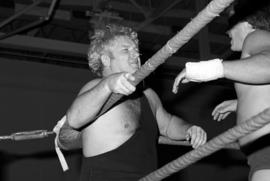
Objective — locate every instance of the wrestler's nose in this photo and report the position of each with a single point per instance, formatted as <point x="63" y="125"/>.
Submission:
<point x="134" y="54"/>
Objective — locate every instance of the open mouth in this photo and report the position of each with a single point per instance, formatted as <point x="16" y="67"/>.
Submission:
<point x="135" y="63"/>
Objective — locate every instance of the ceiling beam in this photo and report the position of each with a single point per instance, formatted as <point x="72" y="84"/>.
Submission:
<point x="43" y="45"/>
<point x="42" y="11"/>
<point x="158" y="12"/>
<point x="126" y="7"/>
<point x="83" y="3"/>
<point x="68" y="48"/>
<point x="53" y="46"/>
<point x="173" y="13"/>
<point x="155" y="29"/>
<point x="140" y="8"/>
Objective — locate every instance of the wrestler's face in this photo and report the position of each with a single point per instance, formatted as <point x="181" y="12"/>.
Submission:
<point x="237" y="38"/>
<point x="238" y="34"/>
<point x="125" y="55"/>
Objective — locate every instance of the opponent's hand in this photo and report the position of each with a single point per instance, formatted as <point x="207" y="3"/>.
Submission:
<point x="200" y="72"/>
<point x="121" y="83"/>
<point x="181" y="78"/>
<point x="223" y="109"/>
<point x="196" y="135"/>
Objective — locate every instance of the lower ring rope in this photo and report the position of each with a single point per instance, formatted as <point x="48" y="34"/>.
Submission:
<point x="229" y="136"/>
<point x="27" y="135"/>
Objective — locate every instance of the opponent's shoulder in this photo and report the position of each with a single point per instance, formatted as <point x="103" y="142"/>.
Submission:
<point x="89" y="85"/>
<point x="258" y="40"/>
<point x="258" y="36"/>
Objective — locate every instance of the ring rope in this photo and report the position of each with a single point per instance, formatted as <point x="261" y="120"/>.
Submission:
<point x="167" y="141"/>
<point x="215" y="144"/>
<point x="213" y="9"/>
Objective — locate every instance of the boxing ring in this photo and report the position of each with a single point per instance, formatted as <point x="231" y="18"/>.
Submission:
<point x="212" y="10"/>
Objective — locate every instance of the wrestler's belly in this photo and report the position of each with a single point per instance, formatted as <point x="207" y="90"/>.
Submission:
<point x="96" y="143"/>
<point x="251" y="101"/>
<point x="109" y="131"/>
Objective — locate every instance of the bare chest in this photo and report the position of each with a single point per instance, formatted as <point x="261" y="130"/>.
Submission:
<point x="129" y="117"/>
<point x="122" y="119"/>
<point x="113" y="128"/>
<point x="252" y="99"/>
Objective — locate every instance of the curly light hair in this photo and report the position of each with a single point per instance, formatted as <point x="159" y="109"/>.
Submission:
<point x="102" y="37"/>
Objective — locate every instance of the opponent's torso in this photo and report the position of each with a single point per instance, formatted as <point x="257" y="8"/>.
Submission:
<point x="252" y="99"/>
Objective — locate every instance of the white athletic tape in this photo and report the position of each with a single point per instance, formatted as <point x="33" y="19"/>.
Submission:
<point x="204" y="70"/>
<point x="59" y="153"/>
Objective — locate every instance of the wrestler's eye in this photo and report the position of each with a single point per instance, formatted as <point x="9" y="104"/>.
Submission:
<point x="125" y="50"/>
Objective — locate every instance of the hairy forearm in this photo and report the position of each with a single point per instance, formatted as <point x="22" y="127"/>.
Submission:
<point x="87" y="105"/>
<point x="69" y="138"/>
<point x="177" y="128"/>
<point x="250" y="70"/>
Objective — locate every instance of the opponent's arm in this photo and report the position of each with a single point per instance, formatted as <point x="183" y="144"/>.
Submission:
<point x="222" y="110"/>
<point x="172" y="126"/>
<point x="254" y="65"/>
<point x="252" y="68"/>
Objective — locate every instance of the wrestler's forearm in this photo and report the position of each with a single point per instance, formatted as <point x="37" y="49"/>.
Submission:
<point x="251" y="70"/>
<point x="87" y="105"/>
<point x="69" y="138"/>
<point x="177" y="128"/>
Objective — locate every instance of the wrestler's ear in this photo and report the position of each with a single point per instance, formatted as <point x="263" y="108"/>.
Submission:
<point x="105" y="59"/>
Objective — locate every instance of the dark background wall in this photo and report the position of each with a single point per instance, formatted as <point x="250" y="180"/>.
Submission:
<point x="36" y="95"/>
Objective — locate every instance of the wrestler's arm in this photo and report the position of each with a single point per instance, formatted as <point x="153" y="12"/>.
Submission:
<point x="254" y="65"/>
<point x="172" y="126"/>
<point x="222" y="110"/>
<point x="69" y="138"/>
<point x="252" y="68"/>
<point x="88" y="103"/>
<point x="94" y="94"/>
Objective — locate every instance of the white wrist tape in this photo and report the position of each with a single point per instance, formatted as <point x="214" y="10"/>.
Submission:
<point x="59" y="153"/>
<point x="204" y="70"/>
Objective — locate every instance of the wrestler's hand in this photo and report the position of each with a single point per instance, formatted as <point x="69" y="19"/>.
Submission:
<point x="196" y="135"/>
<point x="181" y="78"/>
<point x="199" y="72"/>
<point x="121" y="83"/>
<point x="223" y="109"/>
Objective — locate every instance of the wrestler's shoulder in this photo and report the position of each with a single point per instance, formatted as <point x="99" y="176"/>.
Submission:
<point x="90" y="85"/>
<point x="258" y="36"/>
<point x="257" y="41"/>
<point x="152" y="96"/>
<point x="149" y="92"/>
